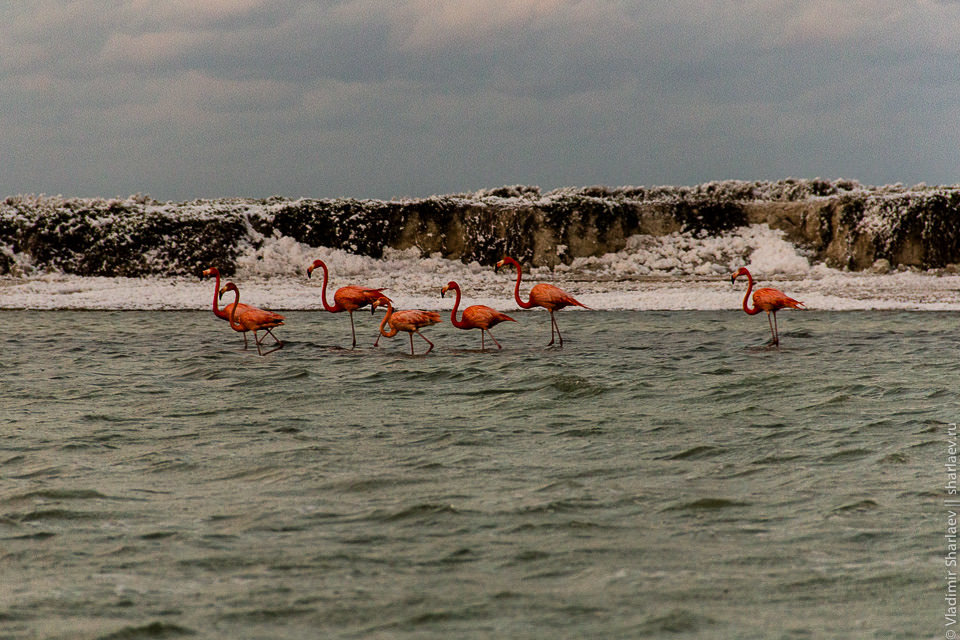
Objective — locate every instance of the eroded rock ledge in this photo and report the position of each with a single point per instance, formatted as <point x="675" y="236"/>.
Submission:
<point x="841" y="222"/>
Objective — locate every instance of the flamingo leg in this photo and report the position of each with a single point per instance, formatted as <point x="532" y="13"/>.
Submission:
<point x="482" y="332"/>
<point x="494" y="340"/>
<point x="774" y="340"/>
<point x="776" y="330"/>
<point x="553" y="323"/>
<point x="411" y="343"/>
<point x="279" y="342"/>
<point x="244" y="340"/>
<point x="257" y="341"/>
<point x="425" y="338"/>
<point x="353" y="331"/>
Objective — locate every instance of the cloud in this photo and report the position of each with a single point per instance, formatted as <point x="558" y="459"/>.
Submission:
<point x="210" y="16"/>
<point x="376" y="98"/>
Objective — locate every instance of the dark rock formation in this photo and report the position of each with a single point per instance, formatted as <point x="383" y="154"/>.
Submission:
<point x="840" y="222"/>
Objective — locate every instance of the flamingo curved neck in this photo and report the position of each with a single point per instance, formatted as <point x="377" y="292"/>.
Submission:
<point x="216" y="290"/>
<point x="746" y="297"/>
<point x="393" y="330"/>
<point x="516" y="289"/>
<point x="333" y="308"/>
<point x="234" y="323"/>
<point x="453" y="312"/>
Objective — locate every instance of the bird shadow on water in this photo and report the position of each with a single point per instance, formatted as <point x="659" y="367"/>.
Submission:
<point x="772" y="348"/>
<point x="403" y="354"/>
<point x="267" y="352"/>
<point x="472" y="352"/>
<point x="763" y="348"/>
<point x="788" y="343"/>
<point x="332" y="348"/>
<point x="253" y="351"/>
<point x="506" y="351"/>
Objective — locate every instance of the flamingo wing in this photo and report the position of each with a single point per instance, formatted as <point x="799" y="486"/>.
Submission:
<point x="255" y="319"/>
<point x="552" y="298"/>
<point x="768" y="299"/>
<point x="227" y="311"/>
<point x="352" y="297"/>
<point x="413" y="319"/>
<point x="483" y="317"/>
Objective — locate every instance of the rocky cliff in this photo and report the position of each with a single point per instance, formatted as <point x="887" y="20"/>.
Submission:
<point x="840" y="222"/>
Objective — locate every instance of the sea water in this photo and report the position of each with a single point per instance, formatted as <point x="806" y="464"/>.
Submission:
<point x="664" y="474"/>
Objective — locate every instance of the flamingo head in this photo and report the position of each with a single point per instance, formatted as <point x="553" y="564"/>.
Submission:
<point x="741" y="272"/>
<point x="382" y="301"/>
<point x="506" y="260"/>
<point x="227" y="287"/>
<point x="206" y="273"/>
<point x="316" y="263"/>
<point x="450" y="285"/>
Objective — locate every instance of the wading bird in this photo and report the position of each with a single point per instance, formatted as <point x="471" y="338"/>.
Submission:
<point x="766" y="299"/>
<point x="476" y="316"/>
<point x="348" y="298"/>
<point x="543" y="295"/>
<point x="224" y="313"/>
<point x="409" y="320"/>
<point x="252" y="319"/>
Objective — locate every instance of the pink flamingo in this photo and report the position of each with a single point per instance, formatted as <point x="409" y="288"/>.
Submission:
<point x="348" y="298"/>
<point x="225" y="312"/>
<point x="543" y="295"/>
<point x="476" y="316"/>
<point x="252" y="319"/>
<point x="411" y="321"/>
<point x="766" y="299"/>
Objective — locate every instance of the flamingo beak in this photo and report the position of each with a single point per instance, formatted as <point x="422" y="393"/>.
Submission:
<point x="443" y="290"/>
<point x="309" y="270"/>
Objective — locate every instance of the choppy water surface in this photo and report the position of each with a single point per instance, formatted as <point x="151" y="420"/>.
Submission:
<point x="662" y="475"/>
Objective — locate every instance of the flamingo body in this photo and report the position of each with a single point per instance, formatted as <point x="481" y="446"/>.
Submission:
<point x="352" y="297"/>
<point x="772" y="300"/>
<point x="252" y="319"/>
<point x="477" y="316"/>
<point x="348" y="298"/>
<point x="409" y="320"/>
<point x="224" y="313"/>
<point x="412" y="320"/>
<point x="766" y="299"/>
<point x="543" y="295"/>
<point x="552" y="298"/>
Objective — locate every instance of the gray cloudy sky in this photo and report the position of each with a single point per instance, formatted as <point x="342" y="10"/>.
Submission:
<point x="380" y="98"/>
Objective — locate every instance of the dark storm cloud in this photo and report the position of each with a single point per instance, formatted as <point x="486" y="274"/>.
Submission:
<point x="371" y="98"/>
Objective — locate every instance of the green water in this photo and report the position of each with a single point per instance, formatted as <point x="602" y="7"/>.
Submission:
<point x="662" y="475"/>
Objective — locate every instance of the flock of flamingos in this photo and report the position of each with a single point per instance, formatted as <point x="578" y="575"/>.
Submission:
<point x="244" y="318"/>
